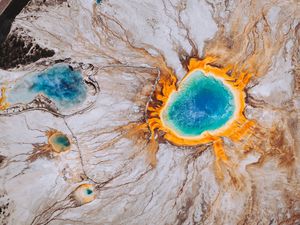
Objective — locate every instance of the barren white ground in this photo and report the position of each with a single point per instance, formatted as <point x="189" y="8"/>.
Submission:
<point x="122" y="39"/>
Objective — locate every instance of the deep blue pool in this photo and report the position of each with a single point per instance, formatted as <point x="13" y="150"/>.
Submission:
<point x="60" y="83"/>
<point x="203" y="103"/>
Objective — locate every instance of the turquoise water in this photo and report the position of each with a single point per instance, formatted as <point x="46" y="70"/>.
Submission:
<point x="89" y="191"/>
<point x="202" y="103"/>
<point x="60" y="83"/>
<point x="62" y="140"/>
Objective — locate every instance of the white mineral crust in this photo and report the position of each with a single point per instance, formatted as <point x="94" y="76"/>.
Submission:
<point x="119" y="38"/>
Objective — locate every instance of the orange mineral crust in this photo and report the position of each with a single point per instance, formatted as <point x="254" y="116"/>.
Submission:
<point x="235" y="129"/>
<point x="3" y="104"/>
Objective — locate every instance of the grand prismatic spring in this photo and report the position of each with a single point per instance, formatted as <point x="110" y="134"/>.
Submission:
<point x="183" y="112"/>
<point x="208" y="105"/>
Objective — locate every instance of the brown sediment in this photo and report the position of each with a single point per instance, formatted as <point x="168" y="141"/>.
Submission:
<point x="271" y="143"/>
<point x="252" y="42"/>
<point x="76" y="198"/>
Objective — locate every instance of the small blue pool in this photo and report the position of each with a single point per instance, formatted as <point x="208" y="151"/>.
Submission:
<point x="62" y="140"/>
<point x="60" y="83"/>
<point x="203" y="103"/>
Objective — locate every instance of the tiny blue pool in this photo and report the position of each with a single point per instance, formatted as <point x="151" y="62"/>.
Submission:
<point x="62" y="140"/>
<point x="60" y="83"/>
<point x="202" y="103"/>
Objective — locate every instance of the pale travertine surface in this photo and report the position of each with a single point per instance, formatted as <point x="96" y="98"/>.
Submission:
<point x="118" y="47"/>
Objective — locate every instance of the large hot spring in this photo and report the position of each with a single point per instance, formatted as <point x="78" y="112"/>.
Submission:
<point x="202" y="103"/>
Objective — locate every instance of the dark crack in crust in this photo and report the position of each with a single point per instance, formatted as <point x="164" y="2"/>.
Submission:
<point x="47" y="2"/>
<point x="21" y="50"/>
<point x="2" y="160"/>
<point x="5" y="208"/>
<point x="44" y="5"/>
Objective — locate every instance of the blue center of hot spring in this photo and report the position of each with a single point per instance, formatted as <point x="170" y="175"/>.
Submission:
<point x="203" y="103"/>
<point x="60" y="83"/>
<point x="89" y="191"/>
<point x="62" y="140"/>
